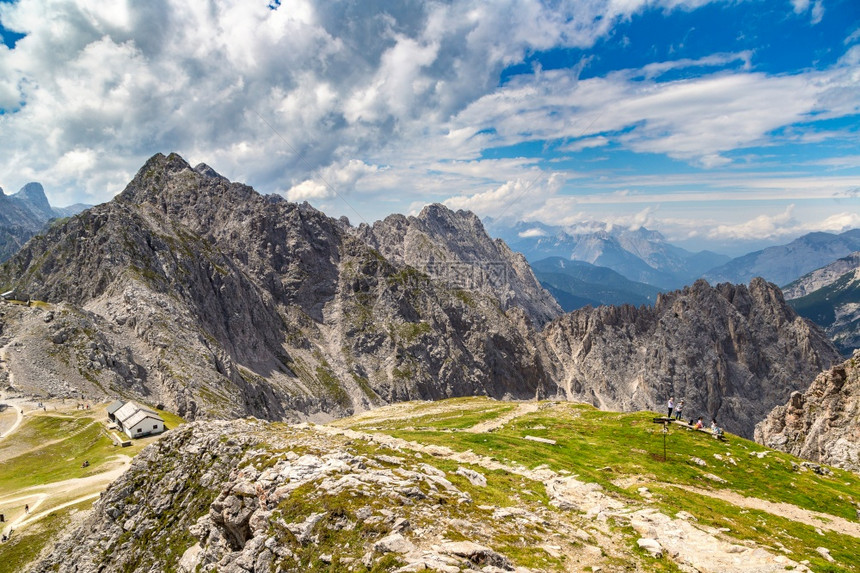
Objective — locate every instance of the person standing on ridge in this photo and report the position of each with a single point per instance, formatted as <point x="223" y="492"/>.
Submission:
<point x="678" y="409"/>
<point x="671" y="406"/>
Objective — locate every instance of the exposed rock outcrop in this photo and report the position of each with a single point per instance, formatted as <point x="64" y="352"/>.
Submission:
<point x="830" y="296"/>
<point x="236" y="303"/>
<point x="250" y="497"/>
<point x="216" y="301"/>
<point x="455" y="248"/>
<point x="825" y="276"/>
<point x="730" y="352"/>
<point x="821" y="424"/>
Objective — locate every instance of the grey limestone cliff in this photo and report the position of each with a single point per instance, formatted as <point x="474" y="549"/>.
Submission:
<point x="200" y="294"/>
<point x="731" y="352"/>
<point x="821" y="424"/>
<point x="235" y="303"/>
<point x="455" y="248"/>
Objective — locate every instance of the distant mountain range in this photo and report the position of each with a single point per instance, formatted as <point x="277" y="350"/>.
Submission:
<point x="576" y="284"/>
<point x="586" y="267"/>
<point x="24" y="214"/>
<point x="785" y="263"/>
<point x="830" y="297"/>
<point x="640" y="255"/>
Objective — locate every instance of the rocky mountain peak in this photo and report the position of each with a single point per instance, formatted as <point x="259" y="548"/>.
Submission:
<point x="224" y="303"/>
<point x="207" y="171"/>
<point x="34" y="195"/>
<point x="438" y="214"/>
<point x="821" y="423"/>
<point x="455" y="248"/>
<point x="24" y="214"/>
<point x="174" y="187"/>
<point x="713" y="346"/>
<point x="150" y="178"/>
<point x="243" y="304"/>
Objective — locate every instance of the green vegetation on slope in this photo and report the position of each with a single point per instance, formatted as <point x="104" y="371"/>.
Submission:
<point x="21" y="549"/>
<point x="49" y="448"/>
<point x="59" y="460"/>
<point x="624" y="451"/>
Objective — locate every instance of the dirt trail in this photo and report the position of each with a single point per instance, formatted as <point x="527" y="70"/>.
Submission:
<point x="20" y="418"/>
<point x="786" y="510"/>
<point x="43" y="493"/>
<point x="37" y="516"/>
<point x="522" y="409"/>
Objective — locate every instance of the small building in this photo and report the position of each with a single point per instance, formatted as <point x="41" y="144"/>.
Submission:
<point x="112" y="408"/>
<point x="15" y="294"/>
<point x="135" y="420"/>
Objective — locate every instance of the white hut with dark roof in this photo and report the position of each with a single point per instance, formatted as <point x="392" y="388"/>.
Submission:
<point x="137" y="421"/>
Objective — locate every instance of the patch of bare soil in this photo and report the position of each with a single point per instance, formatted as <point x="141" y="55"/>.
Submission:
<point x="786" y="510"/>
<point x="522" y="409"/>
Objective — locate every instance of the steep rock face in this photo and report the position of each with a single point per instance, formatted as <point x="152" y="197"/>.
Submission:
<point x="23" y="214"/>
<point x="830" y="297"/>
<point x="215" y="301"/>
<point x="821" y="424"/>
<point x="819" y="278"/>
<point x="32" y="196"/>
<point x="455" y="248"/>
<point x="236" y="304"/>
<point x="730" y="352"/>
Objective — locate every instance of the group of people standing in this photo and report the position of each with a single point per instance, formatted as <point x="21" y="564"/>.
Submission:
<point x="678" y="411"/>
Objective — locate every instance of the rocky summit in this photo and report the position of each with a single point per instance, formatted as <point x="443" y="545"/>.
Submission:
<point x="731" y="352"/>
<point x="455" y="248"/>
<point x="821" y="424"/>
<point x="23" y="214"/>
<point x="221" y="302"/>
<point x="201" y="295"/>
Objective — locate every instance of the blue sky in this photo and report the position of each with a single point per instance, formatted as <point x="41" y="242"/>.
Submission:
<point x="724" y="125"/>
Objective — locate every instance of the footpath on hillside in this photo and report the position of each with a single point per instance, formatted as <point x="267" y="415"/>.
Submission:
<point x="40" y="443"/>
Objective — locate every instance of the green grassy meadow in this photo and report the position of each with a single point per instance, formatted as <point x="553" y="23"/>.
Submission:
<point x="49" y="448"/>
<point x="624" y="451"/>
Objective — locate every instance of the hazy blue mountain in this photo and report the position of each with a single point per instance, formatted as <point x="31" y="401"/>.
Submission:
<point x="784" y="263"/>
<point x="830" y="297"/>
<point x="576" y="284"/>
<point x="640" y="255"/>
<point x="71" y="210"/>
